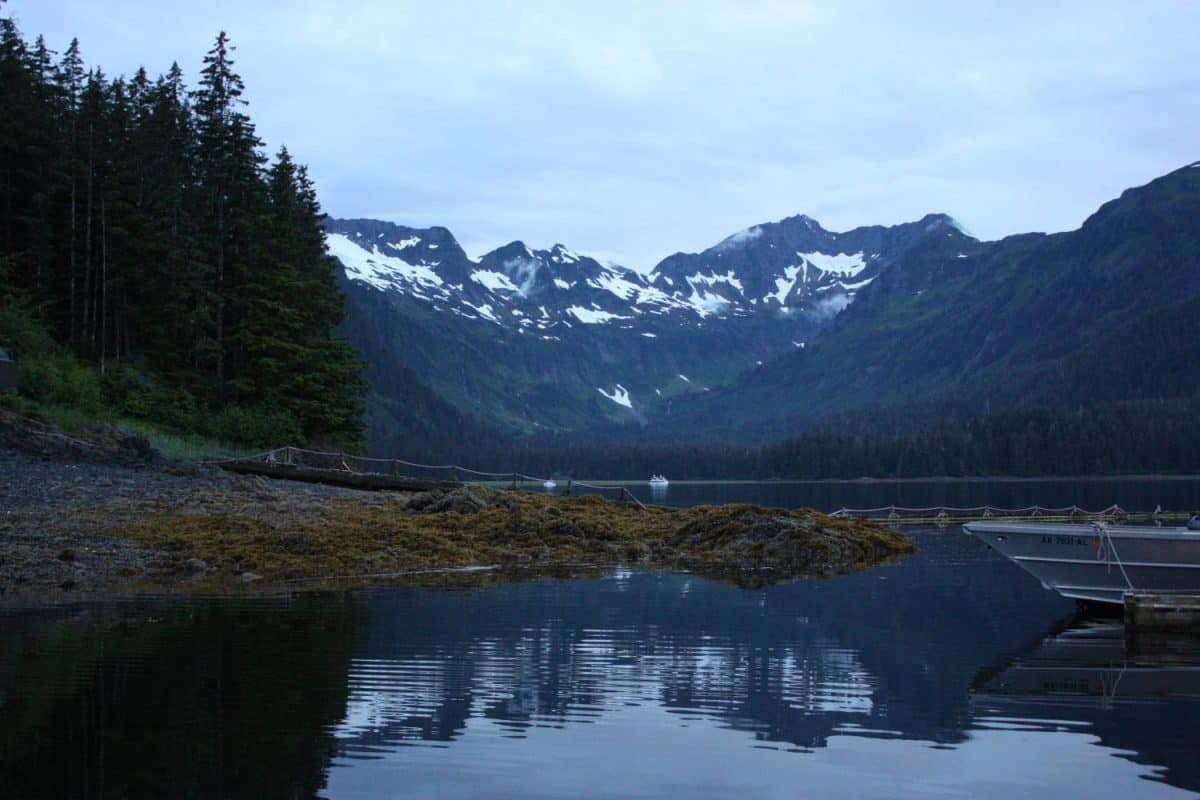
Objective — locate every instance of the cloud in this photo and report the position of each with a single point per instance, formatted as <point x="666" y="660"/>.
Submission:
<point x="639" y="129"/>
<point x="829" y="307"/>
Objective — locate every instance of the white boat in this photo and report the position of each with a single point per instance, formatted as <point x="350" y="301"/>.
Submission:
<point x="1098" y="561"/>
<point x="658" y="480"/>
<point x="549" y="484"/>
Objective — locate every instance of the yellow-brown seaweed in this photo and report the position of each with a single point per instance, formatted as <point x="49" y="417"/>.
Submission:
<point x="391" y="533"/>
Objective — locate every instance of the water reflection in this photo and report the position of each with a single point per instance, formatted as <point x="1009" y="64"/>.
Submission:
<point x="916" y="678"/>
<point x="214" y="699"/>
<point x="1131" y="494"/>
<point x="1091" y="678"/>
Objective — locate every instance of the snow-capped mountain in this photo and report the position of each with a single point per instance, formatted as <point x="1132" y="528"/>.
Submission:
<point x="954" y="326"/>
<point x="793" y="266"/>
<point x="560" y="339"/>
<point x="790" y="267"/>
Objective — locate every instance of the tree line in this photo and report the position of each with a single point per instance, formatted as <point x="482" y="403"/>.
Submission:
<point x="1144" y="437"/>
<point x="144" y="230"/>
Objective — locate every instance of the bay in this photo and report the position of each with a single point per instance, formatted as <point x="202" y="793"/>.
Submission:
<point x="1180" y="494"/>
<point x="947" y="674"/>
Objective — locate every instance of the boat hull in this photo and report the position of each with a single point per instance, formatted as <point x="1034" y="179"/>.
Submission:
<point x="1098" y="563"/>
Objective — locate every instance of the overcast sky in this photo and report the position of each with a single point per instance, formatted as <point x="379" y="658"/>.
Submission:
<point x="630" y="130"/>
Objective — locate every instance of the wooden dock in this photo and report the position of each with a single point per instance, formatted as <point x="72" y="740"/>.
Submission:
<point x="1161" y="613"/>
<point x="336" y="477"/>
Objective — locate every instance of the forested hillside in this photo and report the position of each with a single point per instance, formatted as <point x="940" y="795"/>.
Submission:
<point x="960" y="327"/>
<point x="1144" y="437"/>
<point x="155" y="262"/>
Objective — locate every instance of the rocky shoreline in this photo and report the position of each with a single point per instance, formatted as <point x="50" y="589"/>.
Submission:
<point x="81" y="517"/>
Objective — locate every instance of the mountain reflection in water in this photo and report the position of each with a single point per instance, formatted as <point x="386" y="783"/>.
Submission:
<point x="885" y="683"/>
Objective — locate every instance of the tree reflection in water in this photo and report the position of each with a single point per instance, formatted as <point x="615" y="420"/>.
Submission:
<point x="275" y="698"/>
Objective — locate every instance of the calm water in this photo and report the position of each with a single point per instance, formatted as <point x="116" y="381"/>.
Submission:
<point x="947" y="674"/>
<point x="1131" y="494"/>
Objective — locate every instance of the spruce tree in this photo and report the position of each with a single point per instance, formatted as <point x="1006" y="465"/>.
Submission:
<point x="228" y="163"/>
<point x="137" y="223"/>
<point x="299" y="366"/>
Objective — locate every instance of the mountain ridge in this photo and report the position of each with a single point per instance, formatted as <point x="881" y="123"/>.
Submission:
<point x="566" y="342"/>
<point x="1009" y="313"/>
<point x="781" y="326"/>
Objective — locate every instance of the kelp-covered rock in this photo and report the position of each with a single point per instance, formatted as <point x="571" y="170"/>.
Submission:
<point x="93" y="526"/>
<point x="785" y="541"/>
<point x="464" y="500"/>
<point x="362" y="534"/>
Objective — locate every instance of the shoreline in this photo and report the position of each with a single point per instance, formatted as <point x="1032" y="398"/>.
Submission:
<point x="77" y="526"/>
<point x="867" y="481"/>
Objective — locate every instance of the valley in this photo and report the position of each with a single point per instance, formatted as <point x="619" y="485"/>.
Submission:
<point x="778" y="329"/>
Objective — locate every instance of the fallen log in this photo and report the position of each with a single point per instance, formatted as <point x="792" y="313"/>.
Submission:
<point x="336" y="477"/>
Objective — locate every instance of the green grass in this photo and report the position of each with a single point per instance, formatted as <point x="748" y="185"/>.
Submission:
<point x="68" y="419"/>
<point x="183" y="447"/>
<point x="75" y="421"/>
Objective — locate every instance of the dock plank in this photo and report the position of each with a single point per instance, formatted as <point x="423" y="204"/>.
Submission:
<point x="1145" y="611"/>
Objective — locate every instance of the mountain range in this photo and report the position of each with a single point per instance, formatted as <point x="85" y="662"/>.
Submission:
<point x="776" y="328"/>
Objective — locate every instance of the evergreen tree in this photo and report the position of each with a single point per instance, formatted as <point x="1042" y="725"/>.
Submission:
<point x="298" y="366"/>
<point x="228" y="163"/>
<point x="139" y="226"/>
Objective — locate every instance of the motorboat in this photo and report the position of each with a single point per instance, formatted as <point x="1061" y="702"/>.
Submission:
<point x="549" y="484"/>
<point x="1099" y="561"/>
<point x="658" y="480"/>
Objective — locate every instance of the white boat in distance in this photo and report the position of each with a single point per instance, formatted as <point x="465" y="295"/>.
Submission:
<point x="549" y="484"/>
<point x="1097" y="561"/>
<point x="658" y="480"/>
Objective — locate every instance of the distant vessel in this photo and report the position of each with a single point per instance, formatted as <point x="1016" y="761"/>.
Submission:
<point x="549" y="484"/>
<point x="1097" y="561"/>
<point x="658" y="480"/>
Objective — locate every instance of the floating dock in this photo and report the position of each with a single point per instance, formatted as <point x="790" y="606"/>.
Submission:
<point x="1147" y="612"/>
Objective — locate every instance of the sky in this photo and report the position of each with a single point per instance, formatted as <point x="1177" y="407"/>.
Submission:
<point x="632" y="130"/>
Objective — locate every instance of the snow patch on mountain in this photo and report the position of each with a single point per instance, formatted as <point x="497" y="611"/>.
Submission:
<point x="626" y="288"/>
<point x="707" y="304"/>
<point x="493" y="280"/>
<point x="854" y="287"/>
<point x="376" y="269"/>
<point x="563" y="255"/>
<point x="713" y="278"/>
<point x="846" y="264"/>
<point x="484" y="310"/>
<point x="593" y="316"/>
<point x="784" y="285"/>
<point x="619" y="395"/>
<point x="621" y="287"/>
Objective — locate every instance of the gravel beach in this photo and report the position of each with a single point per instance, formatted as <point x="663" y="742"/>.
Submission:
<point x="109" y="515"/>
<point x="61" y="498"/>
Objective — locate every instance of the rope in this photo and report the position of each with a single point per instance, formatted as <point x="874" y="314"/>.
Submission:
<point x="943" y="512"/>
<point x="894" y="513"/>
<point x="343" y="461"/>
<point x="1107" y="534"/>
<point x="485" y="474"/>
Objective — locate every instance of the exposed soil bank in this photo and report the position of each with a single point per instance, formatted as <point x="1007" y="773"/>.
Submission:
<point x="117" y="520"/>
